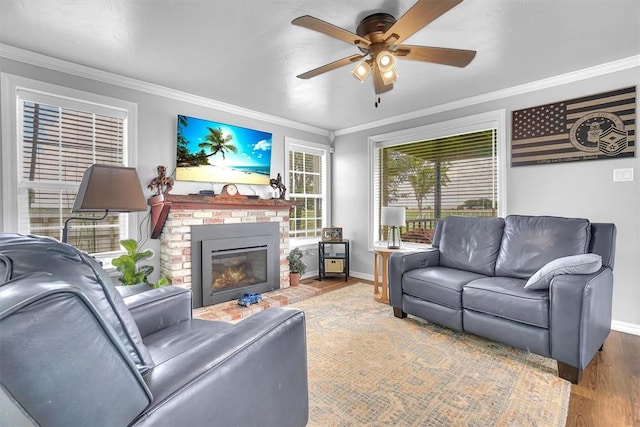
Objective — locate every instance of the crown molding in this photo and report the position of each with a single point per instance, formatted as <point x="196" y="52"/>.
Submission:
<point x="22" y="55"/>
<point x="44" y="61"/>
<point x="586" y="73"/>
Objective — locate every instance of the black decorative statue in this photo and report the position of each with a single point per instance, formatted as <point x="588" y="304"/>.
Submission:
<point x="276" y="184"/>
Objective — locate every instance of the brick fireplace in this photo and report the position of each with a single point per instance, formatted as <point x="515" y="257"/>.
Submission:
<point x="175" y="217"/>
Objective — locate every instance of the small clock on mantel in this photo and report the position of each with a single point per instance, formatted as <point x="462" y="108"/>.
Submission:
<point x="231" y="190"/>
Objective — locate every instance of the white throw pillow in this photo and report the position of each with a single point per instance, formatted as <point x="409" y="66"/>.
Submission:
<point x="575" y="264"/>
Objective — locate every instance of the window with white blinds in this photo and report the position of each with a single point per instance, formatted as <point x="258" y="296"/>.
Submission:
<point x="306" y="181"/>
<point x="436" y="178"/>
<point x="58" y="140"/>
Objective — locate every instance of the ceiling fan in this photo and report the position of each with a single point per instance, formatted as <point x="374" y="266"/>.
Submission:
<point x="379" y="37"/>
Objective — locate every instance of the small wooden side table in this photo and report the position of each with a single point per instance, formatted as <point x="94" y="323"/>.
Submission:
<point x="383" y="254"/>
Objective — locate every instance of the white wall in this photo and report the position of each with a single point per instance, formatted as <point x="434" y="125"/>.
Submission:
<point x="580" y="189"/>
<point x="157" y="117"/>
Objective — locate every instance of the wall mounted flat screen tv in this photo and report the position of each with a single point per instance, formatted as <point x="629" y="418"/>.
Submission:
<point x="209" y="151"/>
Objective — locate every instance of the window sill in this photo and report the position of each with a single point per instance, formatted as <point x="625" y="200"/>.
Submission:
<point x="405" y="245"/>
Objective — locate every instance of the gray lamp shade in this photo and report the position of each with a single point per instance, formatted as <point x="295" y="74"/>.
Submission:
<point x="393" y="215"/>
<point x="112" y="188"/>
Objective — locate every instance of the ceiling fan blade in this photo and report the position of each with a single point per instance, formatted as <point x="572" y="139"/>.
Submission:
<point x="379" y="84"/>
<point x="331" y="66"/>
<point x="439" y="55"/>
<point x="420" y="14"/>
<point x="323" y="27"/>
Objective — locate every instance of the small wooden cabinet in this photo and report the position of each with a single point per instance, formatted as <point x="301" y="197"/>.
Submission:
<point x="333" y="258"/>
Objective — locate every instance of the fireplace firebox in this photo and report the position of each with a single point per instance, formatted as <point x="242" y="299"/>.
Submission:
<point x="231" y="259"/>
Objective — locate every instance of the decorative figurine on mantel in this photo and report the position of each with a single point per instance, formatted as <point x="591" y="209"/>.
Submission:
<point x="162" y="183"/>
<point x="277" y="184"/>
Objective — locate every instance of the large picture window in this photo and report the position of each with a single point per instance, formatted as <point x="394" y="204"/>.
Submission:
<point x="306" y="180"/>
<point x="57" y="139"/>
<point x="435" y="178"/>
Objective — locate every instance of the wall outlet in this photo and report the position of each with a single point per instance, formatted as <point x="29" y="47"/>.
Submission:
<point x="622" y="175"/>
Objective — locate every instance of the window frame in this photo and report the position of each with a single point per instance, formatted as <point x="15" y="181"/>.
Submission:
<point x="492" y="119"/>
<point x="293" y="144"/>
<point x="12" y="86"/>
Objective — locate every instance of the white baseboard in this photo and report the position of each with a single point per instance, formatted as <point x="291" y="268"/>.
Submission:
<point x="364" y="276"/>
<point x="628" y="328"/>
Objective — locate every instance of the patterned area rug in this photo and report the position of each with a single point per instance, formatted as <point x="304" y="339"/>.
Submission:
<point x="367" y="367"/>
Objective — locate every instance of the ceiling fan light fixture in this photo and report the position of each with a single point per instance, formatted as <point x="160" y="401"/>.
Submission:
<point x="361" y="71"/>
<point x="386" y="61"/>
<point x="388" y="77"/>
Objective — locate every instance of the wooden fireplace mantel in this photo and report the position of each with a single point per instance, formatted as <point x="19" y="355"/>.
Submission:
<point x="162" y="203"/>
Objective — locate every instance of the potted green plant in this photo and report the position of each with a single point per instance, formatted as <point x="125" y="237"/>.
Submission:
<point x="297" y="267"/>
<point x="133" y="274"/>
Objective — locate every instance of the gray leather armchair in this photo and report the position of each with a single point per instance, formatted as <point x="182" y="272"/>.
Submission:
<point x="74" y="352"/>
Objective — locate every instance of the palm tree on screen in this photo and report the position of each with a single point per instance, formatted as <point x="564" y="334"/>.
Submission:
<point x="216" y="142"/>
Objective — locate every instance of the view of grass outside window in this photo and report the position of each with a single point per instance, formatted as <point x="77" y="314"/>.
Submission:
<point x="456" y="175"/>
<point x="56" y="146"/>
<point x="306" y="176"/>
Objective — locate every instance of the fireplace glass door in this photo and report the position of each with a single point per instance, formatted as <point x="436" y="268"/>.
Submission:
<point x="238" y="268"/>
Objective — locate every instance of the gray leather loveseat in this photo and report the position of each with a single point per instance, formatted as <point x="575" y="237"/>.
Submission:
<point x="539" y="283"/>
<point x="73" y="352"/>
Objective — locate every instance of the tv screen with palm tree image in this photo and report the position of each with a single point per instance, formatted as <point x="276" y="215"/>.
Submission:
<point x="209" y="151"/>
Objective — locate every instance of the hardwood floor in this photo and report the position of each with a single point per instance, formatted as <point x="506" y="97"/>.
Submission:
<point x="609" y="393"/>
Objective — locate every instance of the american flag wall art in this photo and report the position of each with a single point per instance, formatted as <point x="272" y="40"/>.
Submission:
<point x="596" y="127"/>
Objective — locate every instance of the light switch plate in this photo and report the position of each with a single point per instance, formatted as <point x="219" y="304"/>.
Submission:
<point x="622" y="175"/>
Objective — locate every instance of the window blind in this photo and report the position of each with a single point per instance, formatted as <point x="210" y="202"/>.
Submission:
<point x="306" y="192"/>
<point x="57" y="145"/>
<point x="455" y="175"/>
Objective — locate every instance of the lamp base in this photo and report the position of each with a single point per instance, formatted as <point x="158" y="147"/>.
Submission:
<point x="394" y="241"/>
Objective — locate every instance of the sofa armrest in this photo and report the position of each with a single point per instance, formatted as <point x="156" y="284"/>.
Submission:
<point x="253" y="373"/>
<point x="400" y="263"/>
<point x="159" y="308"/>
<point x="580" y="315"/>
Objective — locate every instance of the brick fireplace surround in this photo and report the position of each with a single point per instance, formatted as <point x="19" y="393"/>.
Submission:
<point x="173" y="215"/>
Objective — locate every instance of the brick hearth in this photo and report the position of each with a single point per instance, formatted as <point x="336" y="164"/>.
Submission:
<point x="230" y="311"/>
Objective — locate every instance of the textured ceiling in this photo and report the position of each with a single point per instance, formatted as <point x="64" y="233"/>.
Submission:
<point x="247" y="53"/>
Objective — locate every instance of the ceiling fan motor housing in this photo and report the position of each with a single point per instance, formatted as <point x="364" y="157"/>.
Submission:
<point x="374" y="26"/>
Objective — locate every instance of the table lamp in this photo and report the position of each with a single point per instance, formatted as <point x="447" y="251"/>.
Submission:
<point x="107" y="189"/>
<point x="394" y="217"/>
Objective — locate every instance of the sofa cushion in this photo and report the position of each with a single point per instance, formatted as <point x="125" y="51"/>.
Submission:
<point x="506" y="297"/>
<point x="441" y="285"/>
<point x="530" y="242"/>
<point x="470" y="244"/>
<point x="575" y="264"/>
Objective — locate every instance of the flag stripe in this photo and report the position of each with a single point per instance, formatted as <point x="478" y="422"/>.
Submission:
<point x="612" y="101"/>
<point x="631" y="89"/>
<point x="564" y="154"/>
<point x="545" y="140"/>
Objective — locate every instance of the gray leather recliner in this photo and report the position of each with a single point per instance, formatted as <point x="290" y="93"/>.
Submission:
<point x="473" y="280"/>
<point x="74" y="352"/>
